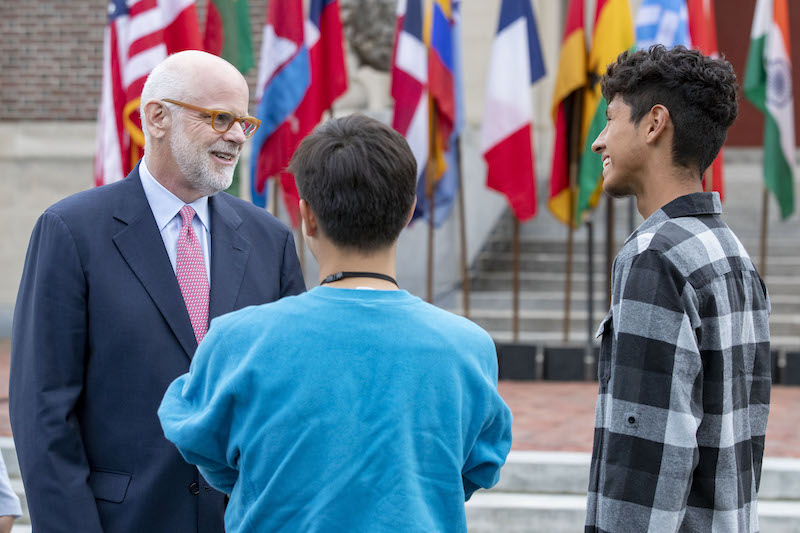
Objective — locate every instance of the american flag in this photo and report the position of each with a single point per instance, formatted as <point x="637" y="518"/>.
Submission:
<point x="140" y="34"/>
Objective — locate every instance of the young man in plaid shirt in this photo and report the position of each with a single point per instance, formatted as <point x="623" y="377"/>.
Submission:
<point x="684" y="368"/>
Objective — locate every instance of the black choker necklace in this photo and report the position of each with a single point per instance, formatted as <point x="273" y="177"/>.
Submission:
<point x="342" y="275"/>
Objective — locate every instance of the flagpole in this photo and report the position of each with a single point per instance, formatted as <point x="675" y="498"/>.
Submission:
<point x="515" y="288"/>
<point x="764" y="231"/>
<point x="430" y="173"/>
<point x="609" y="243"/>
<point x="568" y="267"/>
<point x="575" y="105"/>
<point x="301" y="250"/>
<point x="462" y="221"/>
<point x="589" y="355"/>
<point x="275" y="196"/>
<point x="431" y="232"/>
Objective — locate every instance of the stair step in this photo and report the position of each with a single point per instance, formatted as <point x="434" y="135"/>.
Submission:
<point x="565" y="473"/>
<point x="556" y="262"/>
<point x="546" y="492"/>
<point x="546" y="281"/>
<point x="554" y="301"/>
<point x="501" y="242"/>
<point x="547" y="320"/>
<point x="577" y="337"/>
<point x="489" y="512"/>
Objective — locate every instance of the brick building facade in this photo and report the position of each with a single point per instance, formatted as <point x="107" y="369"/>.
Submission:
<point x="51" y="54"/>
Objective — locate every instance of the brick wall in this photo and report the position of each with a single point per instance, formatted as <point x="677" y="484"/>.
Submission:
<point x="51" y="56"/>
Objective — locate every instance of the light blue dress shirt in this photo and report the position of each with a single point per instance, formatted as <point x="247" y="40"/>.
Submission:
<point x="166" y="209"/>
<point x="9" y="502"/>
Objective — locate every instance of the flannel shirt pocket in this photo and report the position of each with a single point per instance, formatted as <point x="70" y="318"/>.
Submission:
<point x="606" y="333"/>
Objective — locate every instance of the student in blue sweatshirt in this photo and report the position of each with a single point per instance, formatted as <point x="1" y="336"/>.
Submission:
<point x="355" y="407"/>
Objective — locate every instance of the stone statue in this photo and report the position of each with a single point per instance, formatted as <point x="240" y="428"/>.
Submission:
<point x="369" y="27"/>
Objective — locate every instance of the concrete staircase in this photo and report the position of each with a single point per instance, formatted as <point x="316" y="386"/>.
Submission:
<point x="543" y="267"/>
<point x="545" y="492"/>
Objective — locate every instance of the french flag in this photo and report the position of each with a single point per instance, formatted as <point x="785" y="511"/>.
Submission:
<point x="506" y="135"/>
<point x="410" y="80"/>
<point x="284" y="75"/>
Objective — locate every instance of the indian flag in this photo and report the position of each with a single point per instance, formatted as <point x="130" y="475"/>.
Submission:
<point x="768" y="85"/>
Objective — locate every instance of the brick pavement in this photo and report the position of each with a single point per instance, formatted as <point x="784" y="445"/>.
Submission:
<point x="554" y="416"/>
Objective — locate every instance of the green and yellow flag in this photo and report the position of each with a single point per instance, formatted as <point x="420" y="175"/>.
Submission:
<point x="612" y="35"/>
<point x="228" y="36"/>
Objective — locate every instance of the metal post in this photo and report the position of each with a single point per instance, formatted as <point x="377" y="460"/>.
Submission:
<point x="463" y="223"/>
<point x="515" y="288"/>
<point x="764" y="232"/>
<point x="589" y="357"/>
<point x="609" y="243"/>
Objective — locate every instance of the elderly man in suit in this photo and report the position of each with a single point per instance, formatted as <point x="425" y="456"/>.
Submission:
<point x="119" y="285"/>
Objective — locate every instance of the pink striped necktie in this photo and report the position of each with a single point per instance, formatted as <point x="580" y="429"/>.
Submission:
<point x="192" y="277"/>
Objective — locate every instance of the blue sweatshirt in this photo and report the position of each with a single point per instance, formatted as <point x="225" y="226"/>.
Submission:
<point x="342" y="410"/>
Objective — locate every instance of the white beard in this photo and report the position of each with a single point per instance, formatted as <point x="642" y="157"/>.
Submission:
<point x="196" y="165"/>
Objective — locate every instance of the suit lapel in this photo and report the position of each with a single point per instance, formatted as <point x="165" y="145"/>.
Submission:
<point x="141" y="246"/>
<point x="229" y="253"/>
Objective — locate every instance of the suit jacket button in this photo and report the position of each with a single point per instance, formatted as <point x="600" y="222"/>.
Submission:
<point x="194" y="489"/>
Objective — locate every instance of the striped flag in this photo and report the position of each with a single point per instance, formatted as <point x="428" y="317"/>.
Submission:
<point x="506" y="135"/>
<point x="703" y="33"/>
<point x="284" y="75"/>
<point x="325" y="42"/>
<point x="409" y="87"/>
<point x="570" y="83"/>
<point x="768" y="85"/>
<point x="447" y="187"/>
<point x="612" y="35"/>
<point x="438" y="34"/>
<point x="137" y="38"/>
<point x="662" y="22"/>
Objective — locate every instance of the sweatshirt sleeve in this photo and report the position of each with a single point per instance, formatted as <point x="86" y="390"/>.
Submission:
<point x="489" y="452"/>
<point x="197" y="412"/>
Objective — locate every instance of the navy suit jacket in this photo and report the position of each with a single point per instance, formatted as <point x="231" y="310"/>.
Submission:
<point x="100" y="330"/>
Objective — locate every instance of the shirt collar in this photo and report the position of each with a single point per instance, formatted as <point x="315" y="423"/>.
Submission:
<point x="688" y="205"/>
<point x="695" y="204"/>
<point x="165" y="205"/>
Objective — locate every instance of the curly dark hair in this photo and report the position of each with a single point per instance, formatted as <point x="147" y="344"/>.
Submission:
<point x="700" y="93"/>
<point x="360" y="178"/>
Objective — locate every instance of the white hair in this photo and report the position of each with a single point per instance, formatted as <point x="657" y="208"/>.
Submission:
<point x="165" y="81"/>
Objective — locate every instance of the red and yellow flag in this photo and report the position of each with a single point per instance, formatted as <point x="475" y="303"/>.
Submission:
<point x="567" y="101"/>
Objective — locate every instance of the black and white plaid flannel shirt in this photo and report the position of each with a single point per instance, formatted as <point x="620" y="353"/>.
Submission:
<point x="684" y="379"/>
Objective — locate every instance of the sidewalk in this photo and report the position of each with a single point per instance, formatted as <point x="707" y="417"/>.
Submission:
<point x="554" y="416"/>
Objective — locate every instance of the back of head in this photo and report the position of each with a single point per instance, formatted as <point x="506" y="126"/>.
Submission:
<point x="359" y="177"/>
<point x="700" y="93"/>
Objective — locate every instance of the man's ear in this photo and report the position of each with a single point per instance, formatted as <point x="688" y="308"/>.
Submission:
<point x="157" y="119"/>
<point x="411" y="212"/>
<point x="308" y="219"/>
<point x="656" y="122"/>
